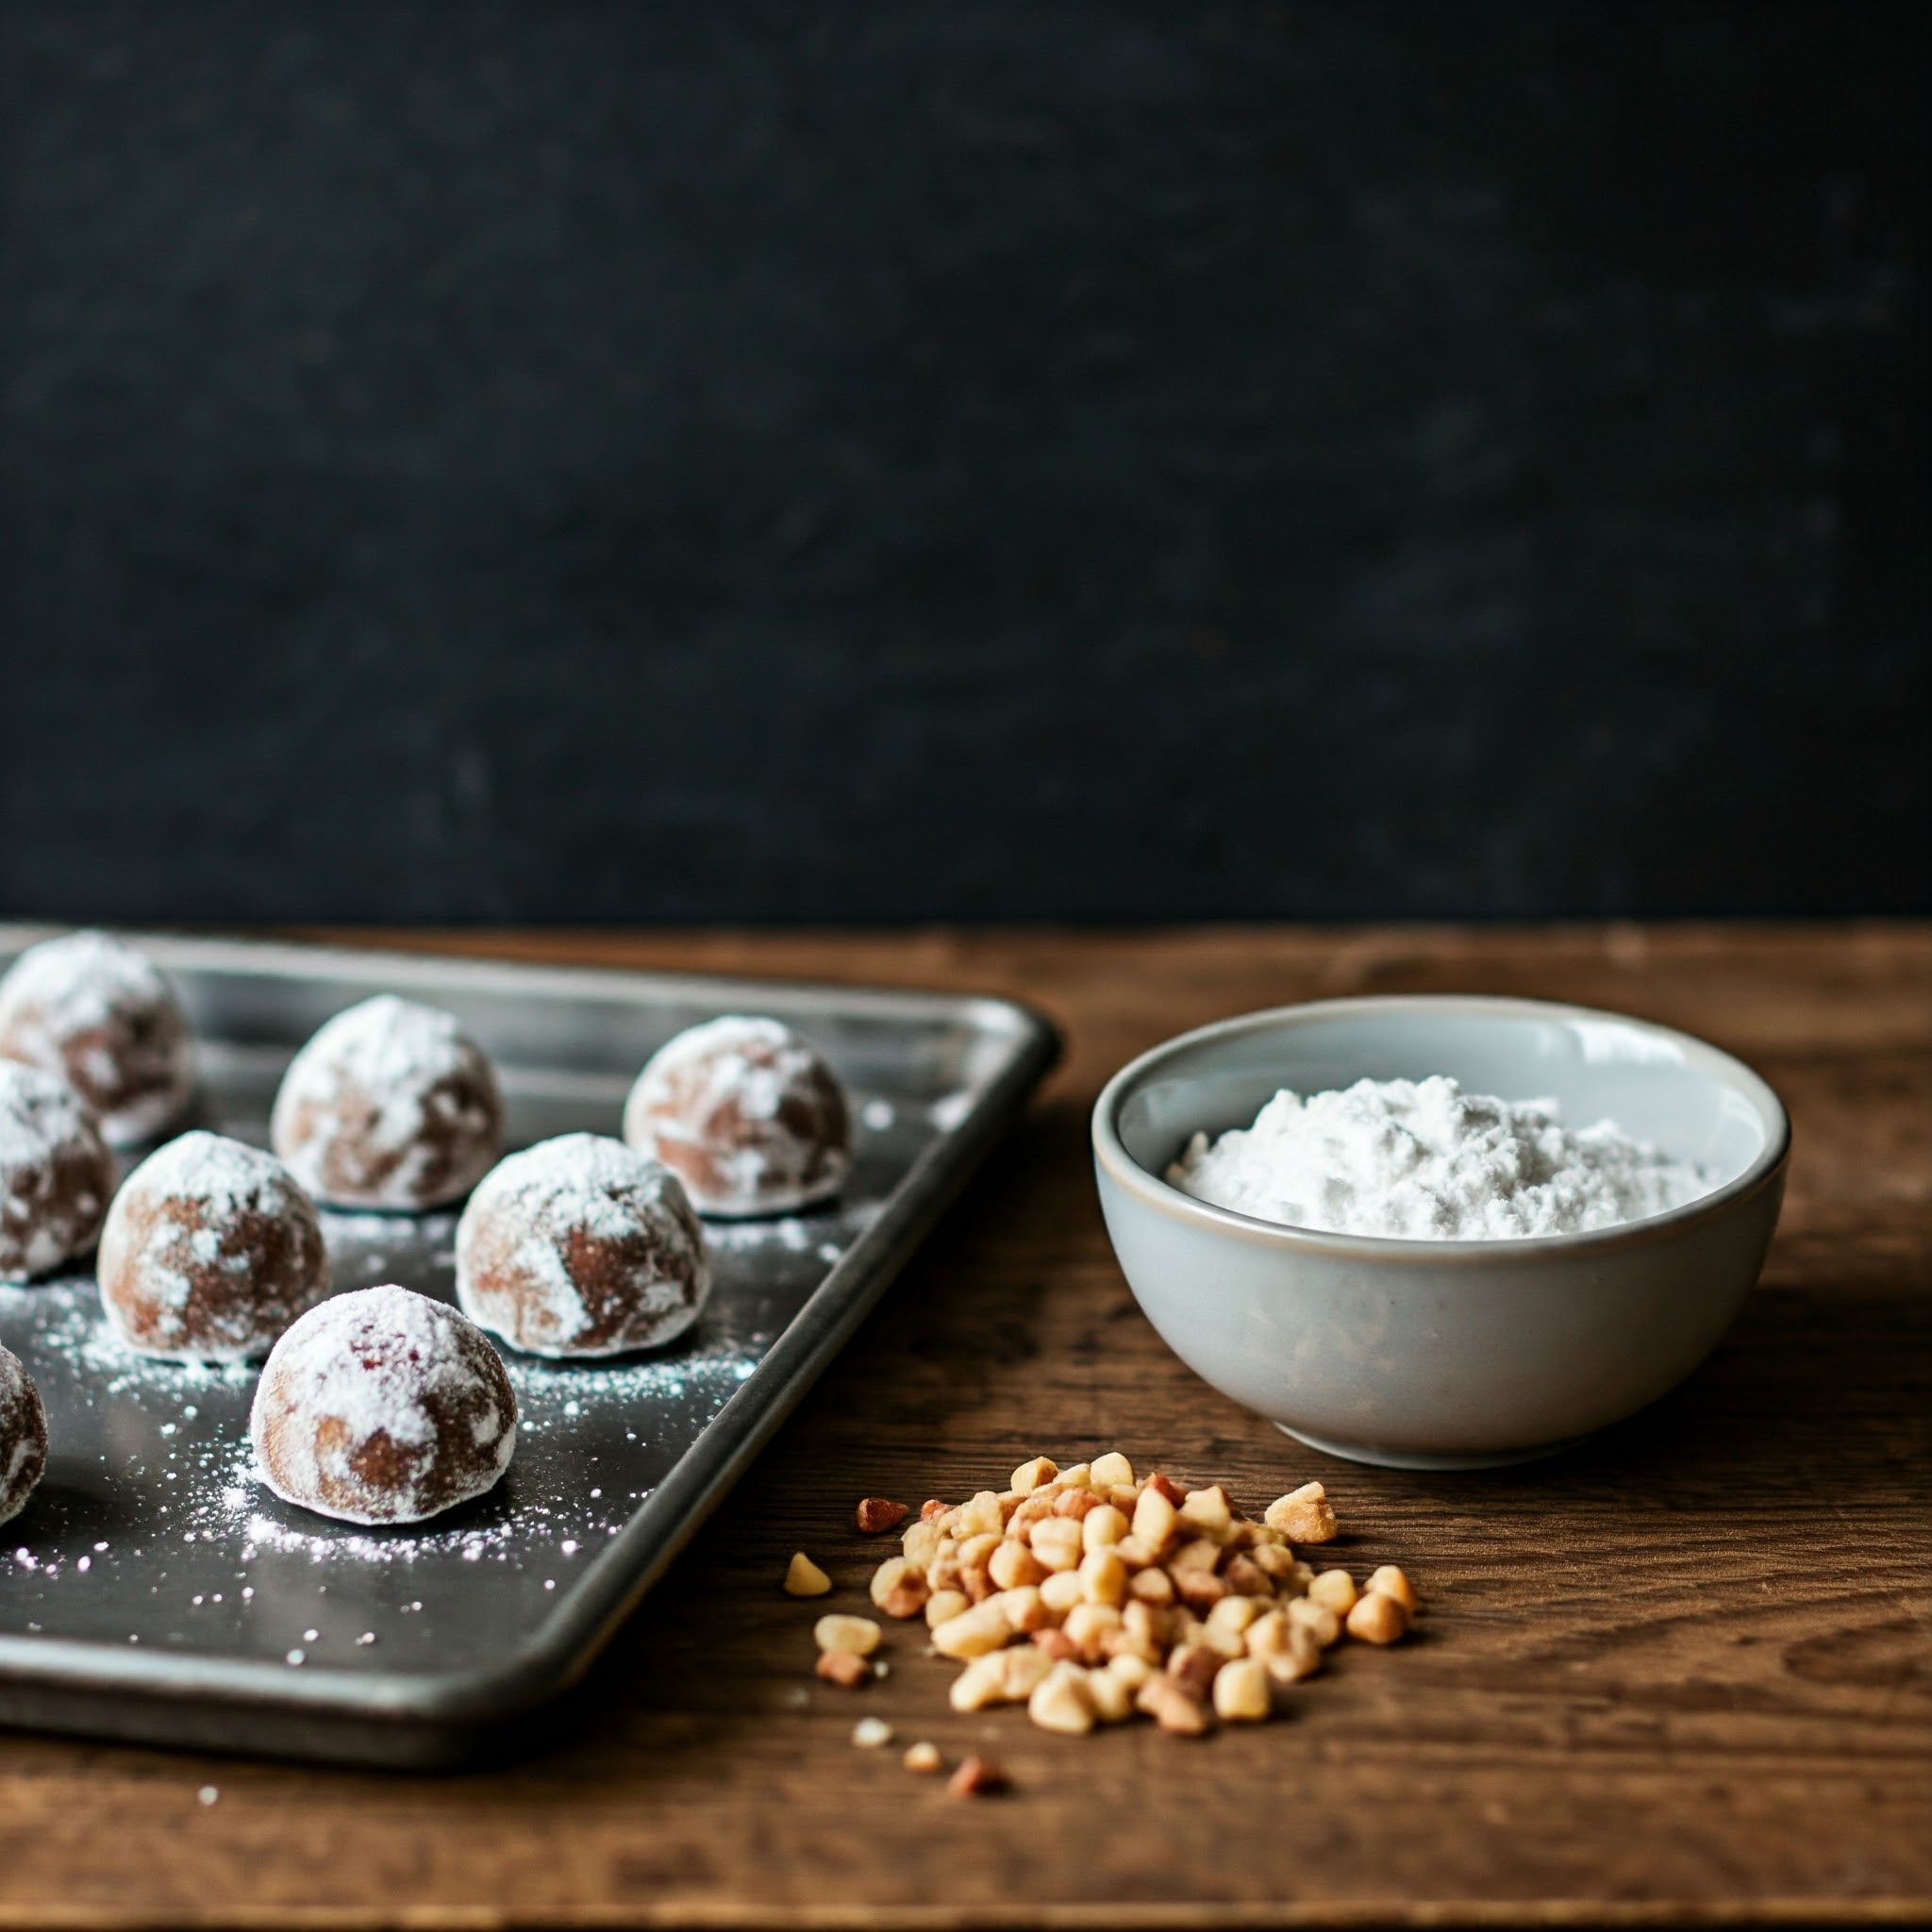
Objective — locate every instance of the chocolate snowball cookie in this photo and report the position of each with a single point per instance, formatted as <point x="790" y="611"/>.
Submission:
<point x="23" y="1435"/>
<point x="747" y="1115"/>
<point x="56" y="1174"/>
<point x="390" y="1105"/>
<point x="581" y="1246"/>
<point x="93" y="1010"/>
<point x="383" y="1407"/>
<point x="209" y="1251"/>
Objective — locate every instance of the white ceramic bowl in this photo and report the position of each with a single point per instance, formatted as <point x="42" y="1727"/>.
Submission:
<point x="1442" y="1355"/>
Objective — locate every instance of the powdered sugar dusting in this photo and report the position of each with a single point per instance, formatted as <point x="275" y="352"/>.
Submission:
<point x="229" y="1178"/>
<point x="1422" y="1160"/>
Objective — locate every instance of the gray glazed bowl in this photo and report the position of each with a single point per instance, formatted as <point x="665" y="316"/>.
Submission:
<point x="1442" y="1355"/>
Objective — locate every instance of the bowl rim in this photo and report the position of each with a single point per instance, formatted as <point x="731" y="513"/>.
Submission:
<point x="1120" y="1166"/>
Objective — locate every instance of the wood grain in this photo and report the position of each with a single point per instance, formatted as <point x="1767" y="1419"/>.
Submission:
<point x="1682" y="1675"/>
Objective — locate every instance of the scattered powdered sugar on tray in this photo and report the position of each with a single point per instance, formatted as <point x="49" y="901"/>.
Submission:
<point x="232" y="1504"/>
<point x="73" y="1326"/>
<point x="1422" y="1160"/>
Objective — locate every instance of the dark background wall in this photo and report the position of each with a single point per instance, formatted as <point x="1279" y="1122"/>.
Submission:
<point x="1032" y="457"/>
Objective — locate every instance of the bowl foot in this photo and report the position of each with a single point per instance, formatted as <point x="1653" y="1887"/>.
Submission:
<point x="1410" y="1458"/>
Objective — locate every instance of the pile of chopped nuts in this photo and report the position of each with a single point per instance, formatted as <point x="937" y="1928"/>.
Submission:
<point x="1089" y="1595"/>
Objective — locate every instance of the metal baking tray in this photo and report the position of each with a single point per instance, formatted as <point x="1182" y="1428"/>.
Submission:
<point x="153" y="1589"/>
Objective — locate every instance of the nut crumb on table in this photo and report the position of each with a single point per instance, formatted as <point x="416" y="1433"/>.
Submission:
<point x="805" y="1578"/>
<point x="977" y="1777"/>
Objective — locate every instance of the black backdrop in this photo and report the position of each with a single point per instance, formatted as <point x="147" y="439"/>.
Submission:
<point x="1026" y="458"/>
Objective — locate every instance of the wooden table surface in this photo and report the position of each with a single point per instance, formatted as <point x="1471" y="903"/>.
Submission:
<point x="1682" y="1674"/>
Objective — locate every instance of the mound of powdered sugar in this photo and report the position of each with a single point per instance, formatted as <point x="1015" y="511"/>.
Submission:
<point x="1422" y="1160"/>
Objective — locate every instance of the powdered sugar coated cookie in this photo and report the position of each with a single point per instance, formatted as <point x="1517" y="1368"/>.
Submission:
<point x="748" y="1115"/>
<point x="23" y="1435"/>
<point x="55" y="1172"/>
<point x="383" y="1407"/>
<point x="209" y="1251"/>
<point x="581" y="1246"/>
<point x="390" y="1105"/>
<point x="93" y="1009"/>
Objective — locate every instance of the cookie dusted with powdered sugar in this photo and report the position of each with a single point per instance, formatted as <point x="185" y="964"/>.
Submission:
<point x="55" y="1172"/>
<point x="383" y="1407"/>
<point x="392" y="1105"/>
<point x="23" y="1435"/>
<point x="581" y="1246"/>
<point x="209" y="1251"/>
<point x="93" y="1009"/>
<point x="748" y="1115"/>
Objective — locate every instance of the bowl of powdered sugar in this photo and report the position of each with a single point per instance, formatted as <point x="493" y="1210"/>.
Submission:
<point x="1440" y="1232"/>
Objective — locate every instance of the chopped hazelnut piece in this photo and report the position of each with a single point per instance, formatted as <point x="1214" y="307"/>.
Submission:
<point x="1334" y="1589"/>
<point x="805" y="1578"/>
<point x="1110" y="1472"/>
<point x="923" y="1758"/>
<point x="1208" y="1507"/>
<point x="1012" y="1564"/>
<point x="977" y="1777"/>
<point x="877" y="1514"/>
<point x="943" y="1606"/>
<point x="1304" y="1515"/>
<point x="1061" y="1590"/>
<point x="898" y="1589"/>
<point x="1176" y="1709"/>
<point x="1378" y="1618"/>
<point x="979" y="1517"/>
<point x="1389" y="1581"/>
<point x="1103" y="1577"/>
<point x="974" y="1632"/>
<point x="857" y="1635"/>
<point x="1055" y="1542"/>
<point x="1318" y="1620"/>
<point x="1062" y="1701"/>
<point x="843" y="1668"/>
<point x="1101" y="1527"/>
<point x="1240" y="1692"/>
<point x="869" y="1732"/>
<point x="1154" y="1519"/>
